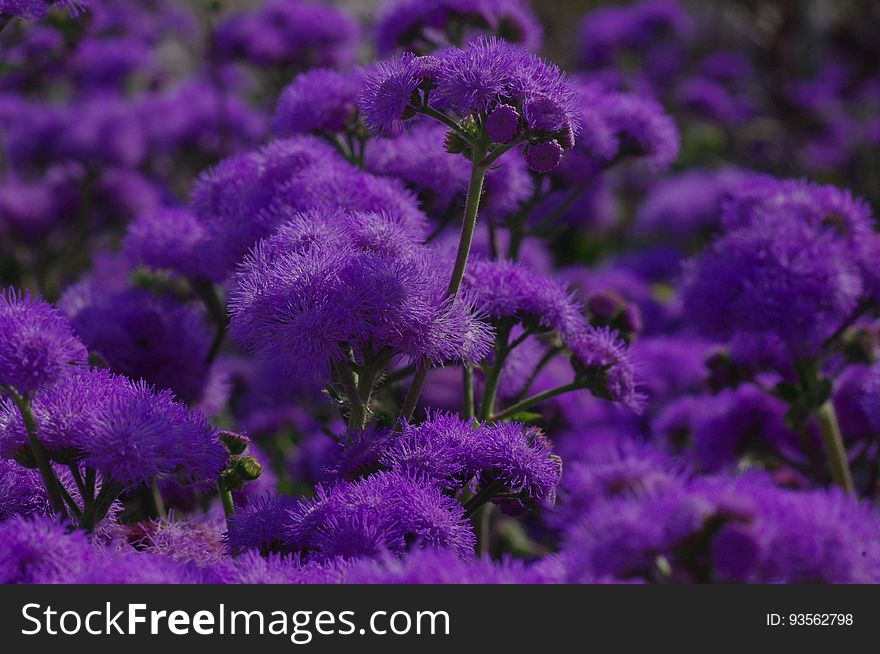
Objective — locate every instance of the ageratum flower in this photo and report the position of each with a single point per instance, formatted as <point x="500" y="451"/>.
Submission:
<point x="687" y="205"/>
<point x="259" y="525"/>
<point x="389" y="89"/>
<point x="871" y="397"/>
<point x="246" y="197"/>
<point x="317" y="101"/>
<point x="824" y="207"/>
<point x="600" y="361"/>
<point x="774" y="276"/>
<point x="142" y="335"/>
<point x="296" y="34"/>
<point x="252" y="568"/>
<point x="506" y="289"/>
<point x="38" y="347"/>
<point x="474" y="81"/>
<point x="429" y="24"/>
<point x="386" y="512"/>
<point x="621" y="467"/>
<point x="304" y="299"/>
<point x="722" y="529"/>
<point x="122" y="429"/>
<point x="521" y="459"/>
<point x="418" y="158"/>
<point x="40" y="550"/>
<point x="607" y="32"/>
<point x="166" y="239"/>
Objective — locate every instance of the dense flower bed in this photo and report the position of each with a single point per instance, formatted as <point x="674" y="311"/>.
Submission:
<point x="289" y="298"/>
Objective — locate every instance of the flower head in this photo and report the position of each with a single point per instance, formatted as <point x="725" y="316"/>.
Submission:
<point x="38" y="347"/>
<point x="320" y="100"/>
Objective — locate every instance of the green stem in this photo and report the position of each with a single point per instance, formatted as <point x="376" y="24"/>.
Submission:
<point x="41" y="456"/>
<point x="834" y="447"/>
<point x="415" y="390"/>
<point x="226" y="499"/>
<point x="493" y="377"/>
<point x="93" y="514"/>
<point x="471" y="207"/>
<point x="446" y="120"/>
<point x="468" y="410"/>
<point x="158" y="502"/>
<point x="348" y="379"/>
<point x="486" y="494"/>
<point x="535" y="399"/>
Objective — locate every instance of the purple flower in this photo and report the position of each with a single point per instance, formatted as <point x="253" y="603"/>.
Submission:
<point x="299" y="299"/>
<point x="472" y="81"/>
<point x="34" y="9"/>
<point x="503" y="123"/>
<point x="319" y="100"/>
<point x="826" y="208"/>
<point x="505" y="289"/>
<point x="601" y="363"/>
<point x="259" y="526"/>
<point x="246" y="197"/>
<point x="390" y="89"/>
<point x="543" y="157"/>
<point x="521" y="459"/>
<point x="773" y="276"/>
<point x="299" y="35"/>
<point x="686" y="205"/>
<point x="423" y="25"/>
<point x="167" y="239"/>
<point x="607" y="31"/>
<point x="418" y="158"/>
<point x="142" y="335"/>
<point x="622" y="467"/>
<point x="38" y="347"/>
<point x="385" y="512"/>
<point x="871" y="398"/>
<point x="642" y="127"/>
<point x="39" y="550"/>
<point x="123" y="429"/>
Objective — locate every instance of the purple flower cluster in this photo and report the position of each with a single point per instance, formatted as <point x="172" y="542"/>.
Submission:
<point x="325" y="301"/>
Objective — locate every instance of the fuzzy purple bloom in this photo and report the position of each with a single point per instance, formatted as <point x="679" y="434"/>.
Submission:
<point x="410" y="24"/>
<point x="319" y="100"/>
<point x="167" y="239"/>
<point x="297" y="34"/>
<point x="312" y="288"/>
<point x="142" y="335"/>
<point x="600" y="360"/>
<point x="505" y="289"/>
<point x="123" y="429"/>
<point x="385" y="512"/>
<point x="773" y="276"/>
<point x="38" y="347"/>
